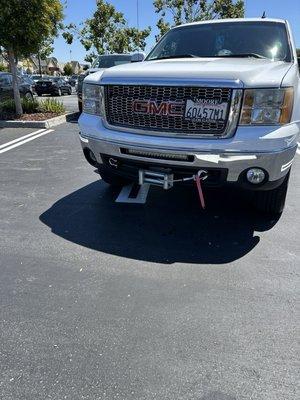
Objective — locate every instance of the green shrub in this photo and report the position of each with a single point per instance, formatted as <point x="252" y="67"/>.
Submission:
<point x="30" y="106"/>
<point x="7" y="106"/>
<point x="33" y="106"/>
<point x="52" y="106"/>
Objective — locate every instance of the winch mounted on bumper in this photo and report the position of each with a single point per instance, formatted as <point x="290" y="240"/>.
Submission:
<point x="224" y="167"/>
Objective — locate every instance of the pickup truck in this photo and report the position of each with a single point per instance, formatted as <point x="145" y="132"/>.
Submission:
<point x="219" y="98"/>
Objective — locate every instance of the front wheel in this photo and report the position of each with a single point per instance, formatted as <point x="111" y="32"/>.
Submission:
<point x="29" y="96"/>
<point x="112" y="179"/>
<point x="272" y="201"/>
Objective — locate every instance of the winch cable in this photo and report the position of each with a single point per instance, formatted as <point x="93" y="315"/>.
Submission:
<point x="200" y="176"/>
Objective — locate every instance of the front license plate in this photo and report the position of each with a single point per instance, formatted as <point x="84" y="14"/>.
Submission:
<point x="204" y="110"/>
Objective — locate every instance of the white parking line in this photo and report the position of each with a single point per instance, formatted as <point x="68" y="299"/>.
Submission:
<point x="298" y="150"/>
<point x="21" y="138"/>
<point x="25" y="139"/>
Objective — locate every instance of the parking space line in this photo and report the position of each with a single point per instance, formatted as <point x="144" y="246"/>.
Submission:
<point x="298" y="150"/>
<point x="19" y="143"/>
<point x="21" y="138"/>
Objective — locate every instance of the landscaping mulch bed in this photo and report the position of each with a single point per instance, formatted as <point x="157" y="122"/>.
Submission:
<point x="29" y="117"/>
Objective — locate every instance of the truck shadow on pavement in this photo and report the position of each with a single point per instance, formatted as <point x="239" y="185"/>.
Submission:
<point x="169" y="228"/>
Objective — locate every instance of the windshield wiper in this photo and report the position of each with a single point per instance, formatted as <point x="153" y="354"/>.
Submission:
<point x="175" y="56"/>
<point x="246" y="55"/>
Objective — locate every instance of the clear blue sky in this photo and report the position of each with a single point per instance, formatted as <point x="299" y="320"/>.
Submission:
<point x="79" y="10"/>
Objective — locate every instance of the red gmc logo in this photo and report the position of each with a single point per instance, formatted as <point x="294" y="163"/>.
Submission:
<point x="151" y="107"/>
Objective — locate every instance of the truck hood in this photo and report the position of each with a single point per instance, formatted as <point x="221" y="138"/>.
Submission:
<point x="248" y="72"/>
<point x="93" y="70"/>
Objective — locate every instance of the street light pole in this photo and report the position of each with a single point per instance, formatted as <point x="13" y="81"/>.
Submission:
<point x="137" y="15"/>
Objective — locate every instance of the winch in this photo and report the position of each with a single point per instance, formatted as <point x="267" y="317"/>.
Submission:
<point x="166" y="180"/>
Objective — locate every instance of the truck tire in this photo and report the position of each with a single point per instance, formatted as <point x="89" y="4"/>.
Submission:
<point x="112" y="179"/>
<point x="272" y="201"/>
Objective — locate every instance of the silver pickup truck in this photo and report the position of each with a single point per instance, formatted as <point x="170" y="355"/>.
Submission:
<point x="221" y="97"/>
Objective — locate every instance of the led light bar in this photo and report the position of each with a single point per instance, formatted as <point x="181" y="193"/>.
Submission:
<point x="158" y="156"/>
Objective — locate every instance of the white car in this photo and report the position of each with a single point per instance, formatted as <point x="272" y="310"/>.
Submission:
<point x="214" y="100"/>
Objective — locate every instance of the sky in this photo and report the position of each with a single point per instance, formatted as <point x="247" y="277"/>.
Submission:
<point x="77" y="11"/>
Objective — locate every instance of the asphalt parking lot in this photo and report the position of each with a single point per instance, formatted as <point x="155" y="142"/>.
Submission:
<point x="101" y="300"/>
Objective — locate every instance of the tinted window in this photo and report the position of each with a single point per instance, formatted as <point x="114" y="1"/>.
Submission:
<point x="5" y="80"/>
<point x="266" y="39"/>
<point x="27" y="80"/>
<point x="111" y="61"/>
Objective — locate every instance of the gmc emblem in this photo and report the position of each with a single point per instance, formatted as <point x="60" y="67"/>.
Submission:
<point x="151" y="107"/>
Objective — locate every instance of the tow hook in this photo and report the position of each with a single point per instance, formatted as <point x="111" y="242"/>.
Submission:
<point x="113" y="162"/>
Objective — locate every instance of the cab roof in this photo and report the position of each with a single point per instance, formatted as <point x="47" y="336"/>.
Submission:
<point x="232" y="20"/>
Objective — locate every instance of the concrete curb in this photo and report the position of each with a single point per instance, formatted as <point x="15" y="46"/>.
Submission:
<point x="48" y="123"/>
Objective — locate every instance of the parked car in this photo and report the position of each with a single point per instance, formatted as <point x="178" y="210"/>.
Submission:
<point x="38" y="77"/>
<point x="55" y="86"/>
<point x="79" y="89"/>
<point x="103" y="62"/>
<point x="73" y="80"/>
<point x="6" y="88"/>
<point x="215" y="103"/>
<point x="28" y="79"/>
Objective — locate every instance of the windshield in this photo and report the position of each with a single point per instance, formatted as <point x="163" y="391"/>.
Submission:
<point x="226" y="39"/>
<point x="111" y="61"/>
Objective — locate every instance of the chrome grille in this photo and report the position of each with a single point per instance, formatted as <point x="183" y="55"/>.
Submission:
<point x="119" y="108"/>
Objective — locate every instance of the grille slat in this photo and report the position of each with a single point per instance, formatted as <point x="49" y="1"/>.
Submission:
<point x="119" y="108"/>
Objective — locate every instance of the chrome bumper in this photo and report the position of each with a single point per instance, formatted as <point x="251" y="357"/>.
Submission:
<point x="276" y="164"/>
<point x="270" y="148"/>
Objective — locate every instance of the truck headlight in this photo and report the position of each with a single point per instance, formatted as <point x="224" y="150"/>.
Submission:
<point x="93" y="99"/>
<point x="267" y="106"/>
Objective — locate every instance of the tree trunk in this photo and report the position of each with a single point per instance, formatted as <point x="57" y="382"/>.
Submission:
<point x="13" y="69"/>
<point x="39" y="60"/>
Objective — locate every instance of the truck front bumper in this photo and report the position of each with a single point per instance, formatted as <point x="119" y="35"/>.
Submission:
<point x="269" y="148"/>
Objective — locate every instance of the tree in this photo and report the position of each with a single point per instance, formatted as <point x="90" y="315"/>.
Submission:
<point x="107" y="32"/>
<point x="23" y="33"/>
<point x="3" y="68"/>
<point x="229" y="9"/>
<point x="45" y="50"/>
<point x="184" y="11"/>
<point x="68" y="70"/>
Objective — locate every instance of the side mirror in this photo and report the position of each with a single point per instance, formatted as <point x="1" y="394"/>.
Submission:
<point x="138" y="57"/>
